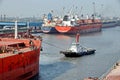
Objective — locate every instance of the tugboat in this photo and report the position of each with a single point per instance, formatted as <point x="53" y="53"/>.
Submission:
<point x="76" y="50"/>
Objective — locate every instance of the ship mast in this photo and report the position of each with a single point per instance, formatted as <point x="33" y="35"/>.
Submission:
<point x="16" y="30"/>
<point x="94" y="11"/>
<point x="80" y="10"/>
<point x="28" y="25"/>
<point x="77" y="38"/>
<point x="63" y="13"/>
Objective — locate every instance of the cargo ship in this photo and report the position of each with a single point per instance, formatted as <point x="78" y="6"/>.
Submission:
<point x="48" y="25"/>
<point x="49" y="29"/>
<point x="108" y="24"/>
<point x="19" y="57"/>
<point x="70" y="25"/>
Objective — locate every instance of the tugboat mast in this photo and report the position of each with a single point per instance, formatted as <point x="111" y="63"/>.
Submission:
<point x="77" y="38"/>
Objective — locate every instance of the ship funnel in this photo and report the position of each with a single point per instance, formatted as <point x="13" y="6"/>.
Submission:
<point x="77" y="38"/>
<point x="49" y="17"/>
<point x="16" y="30"/>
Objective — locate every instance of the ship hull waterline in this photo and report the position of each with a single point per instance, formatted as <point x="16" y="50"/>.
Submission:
<point x="49" y="30"/>
<point x="81" y="29"/>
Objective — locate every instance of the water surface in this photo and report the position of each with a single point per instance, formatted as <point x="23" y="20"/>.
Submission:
<point x="55" y="66"/>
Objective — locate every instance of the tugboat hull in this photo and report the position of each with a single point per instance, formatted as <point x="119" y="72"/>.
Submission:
<point x="74" y="54"/>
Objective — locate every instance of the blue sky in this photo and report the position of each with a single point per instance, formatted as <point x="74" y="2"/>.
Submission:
<point x="28" y="8"/>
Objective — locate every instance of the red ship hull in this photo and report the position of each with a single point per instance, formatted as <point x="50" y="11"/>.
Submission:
<point x="21" y="65"/>
<point x="86" y="28"/>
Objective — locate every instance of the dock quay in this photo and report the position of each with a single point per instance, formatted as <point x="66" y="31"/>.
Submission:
<point x="112" y="74"/>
